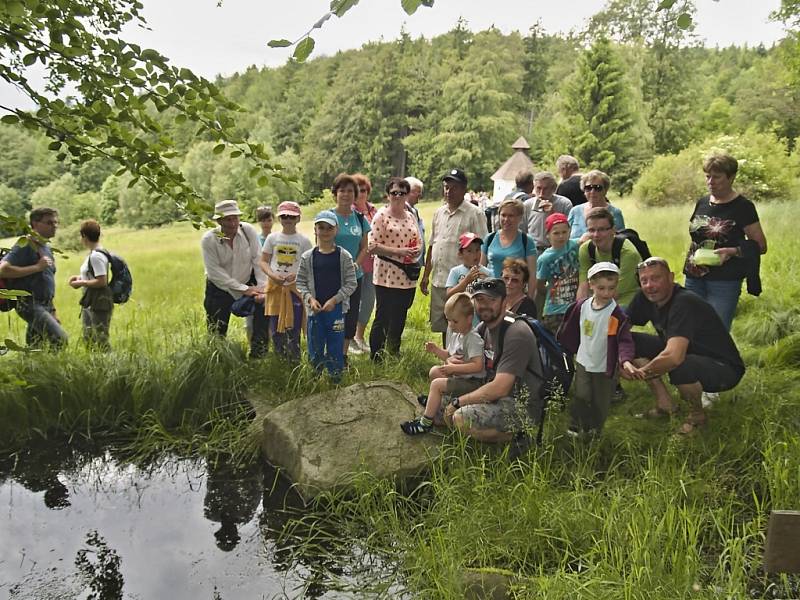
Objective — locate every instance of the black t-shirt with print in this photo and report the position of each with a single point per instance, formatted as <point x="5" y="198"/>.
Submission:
<point x="687" y="315"/>
<point x="723" y="224"/>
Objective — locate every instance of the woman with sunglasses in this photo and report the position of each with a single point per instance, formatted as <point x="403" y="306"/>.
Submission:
<point x="363" y="206"/>
<point x="352" y="236"/>
<point x="394" y="242"/>
<point x="515" y="276"/>
<point x="595" y="186"/>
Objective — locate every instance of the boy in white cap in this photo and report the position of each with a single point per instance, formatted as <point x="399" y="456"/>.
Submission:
<point x="598" y="332"/>
<point x="280" y="260"/>
<point x="326" y="279"/>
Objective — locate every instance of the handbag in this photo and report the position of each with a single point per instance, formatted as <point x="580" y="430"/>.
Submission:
<point x="412" y="270"/>
<point x="243" y="306"/>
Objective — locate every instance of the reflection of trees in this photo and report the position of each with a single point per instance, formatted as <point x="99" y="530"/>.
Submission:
<point x="100" y="566"/>
<point x="232" y="496"/>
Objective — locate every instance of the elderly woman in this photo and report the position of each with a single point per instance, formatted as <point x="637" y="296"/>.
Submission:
<point x="509" y="242"/>
<point x="352" y="236"/>
<point x="396" y="245"/>
<point x="726" y="224"/>
<point x="516" y="276"/>
<point x="595" y="186"/>
<point x="363" y="206"/>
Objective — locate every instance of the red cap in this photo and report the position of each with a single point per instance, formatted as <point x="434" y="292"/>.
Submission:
<point x="554" y="220"/>
<point x="467" y="238"/>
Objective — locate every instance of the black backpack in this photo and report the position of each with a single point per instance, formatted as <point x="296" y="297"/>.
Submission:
<point x="7" y="302"/>
<point x="121" y="283"/>
<point x="557" y="365"/>
<point x="616" y="247"/>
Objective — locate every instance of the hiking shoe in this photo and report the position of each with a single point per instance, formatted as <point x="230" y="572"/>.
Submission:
<point x="573" y="432"/>
<point x="355" y="349"/>
<point x="519" y="445"/>
<point x="619" y="395"/>
<point x="415" y="427"/>
<point x="422" y="400"/>
<point x="709" y="398"/>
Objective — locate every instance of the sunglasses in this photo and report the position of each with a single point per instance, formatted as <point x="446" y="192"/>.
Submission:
<point x="593" y="187"/>
<point x="398" y="193"/>
<point x="653" y="260"/>
<point x="486" y="285"/>
<point x="287" y="217"/>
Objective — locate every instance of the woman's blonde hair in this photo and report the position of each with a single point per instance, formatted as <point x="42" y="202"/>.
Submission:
<point x="514" y="203"/>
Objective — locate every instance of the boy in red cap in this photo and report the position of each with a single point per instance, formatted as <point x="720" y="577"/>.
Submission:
<point x="470" y="269"/>
<point x="557" y="271"/>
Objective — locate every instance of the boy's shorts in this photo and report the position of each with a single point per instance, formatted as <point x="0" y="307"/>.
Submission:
<point x="458" y="386"/>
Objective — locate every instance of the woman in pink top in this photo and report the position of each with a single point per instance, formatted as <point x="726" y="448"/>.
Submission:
<point x="394" y="242"/>
<point x="367" y="209"/>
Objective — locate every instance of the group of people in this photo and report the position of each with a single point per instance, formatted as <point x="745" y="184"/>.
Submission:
<point x="556" y="255"/>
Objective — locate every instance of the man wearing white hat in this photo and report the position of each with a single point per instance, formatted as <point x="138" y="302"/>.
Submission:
<point x="231" y="256"/>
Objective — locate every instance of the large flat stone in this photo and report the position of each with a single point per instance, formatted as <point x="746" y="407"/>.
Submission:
<point x="321" y="441"/>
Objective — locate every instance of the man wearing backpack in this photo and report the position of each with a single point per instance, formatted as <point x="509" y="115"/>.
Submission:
<point x="601" y="247"/>
<point x="499" y="410"/>
<point x="33" y="267"/>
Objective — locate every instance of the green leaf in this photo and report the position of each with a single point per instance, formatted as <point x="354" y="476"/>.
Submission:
<point x="219" y="149"/>
<point x="10" y="119"/>
<point x="279" y="43"/>
<point x="339" y="7"/>
<point x="303" y="49"/>
<point x="684" y="20"/>
<point x="410" y="6"/>
<point x="263" y="181"/>
<point x="666" y="4"/>
<point x="54" y="145"/>
<point x="236" y="154"/>
<point x="29" y="59"/>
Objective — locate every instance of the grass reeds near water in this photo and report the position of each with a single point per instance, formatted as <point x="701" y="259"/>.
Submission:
<point x="639" y="513"/>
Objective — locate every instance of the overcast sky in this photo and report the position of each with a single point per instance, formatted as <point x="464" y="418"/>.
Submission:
<point x="213" y="40"/>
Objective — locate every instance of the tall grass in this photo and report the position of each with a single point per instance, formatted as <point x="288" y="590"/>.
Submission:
<point x="639" y="513"/>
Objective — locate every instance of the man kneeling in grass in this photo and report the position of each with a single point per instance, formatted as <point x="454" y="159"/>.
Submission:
<point x="492" y="413"/>
<point x="693" y="345"/>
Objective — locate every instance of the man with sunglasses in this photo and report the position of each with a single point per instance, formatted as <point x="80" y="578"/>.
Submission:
<point x="492" y="412"/>
<point x="693" y="346"/>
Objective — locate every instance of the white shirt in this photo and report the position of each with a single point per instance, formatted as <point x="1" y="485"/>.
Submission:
<point x="99" y="264"/>
<point x="229" y="268"/>
<point x="593" y="348"/>
<point x="447" y="228"/>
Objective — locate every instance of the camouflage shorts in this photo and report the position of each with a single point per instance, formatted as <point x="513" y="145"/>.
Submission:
<point x="503" y="415"/>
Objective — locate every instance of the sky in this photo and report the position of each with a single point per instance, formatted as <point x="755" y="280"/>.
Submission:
<point x="212" y="40"/>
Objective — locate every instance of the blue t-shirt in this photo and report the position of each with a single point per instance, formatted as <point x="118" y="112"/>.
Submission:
<point x="351" y="230"/>
<point x="458" y="273"/>
<point x="42" y="285"/>
<point x="496" y="254"/>
<point x="327" y="274"/>
<point x="560" y="269"/>
<point x="577" y="220"/>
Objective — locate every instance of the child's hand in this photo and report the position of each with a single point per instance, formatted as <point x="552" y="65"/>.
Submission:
<point x="455" y="359"/>
<point x="315" y="305"/>
<point x="329" y="305"/>
<point x="446" y="370"/>
<point x="430" y="347"/>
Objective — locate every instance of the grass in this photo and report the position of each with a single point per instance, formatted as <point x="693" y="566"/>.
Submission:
<point x="636" y="514"/>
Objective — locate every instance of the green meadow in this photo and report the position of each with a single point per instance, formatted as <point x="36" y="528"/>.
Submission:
<point x="639" y="513"/>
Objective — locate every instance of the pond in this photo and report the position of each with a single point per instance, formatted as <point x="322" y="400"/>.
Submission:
<point x="73" y="523"/>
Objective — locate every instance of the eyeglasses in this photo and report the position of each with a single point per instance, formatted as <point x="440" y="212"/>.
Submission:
<point x="653" y="260"/>
<point x="509" y="279"/>
<point x="593" y="187"/>
<point x="598" y="229"/>
<point x="287" y="217"/>
<point x="397" y="193"/>
<point x="363" y="189"/>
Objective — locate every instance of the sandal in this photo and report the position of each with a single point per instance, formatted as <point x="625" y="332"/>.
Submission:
<point x="694" y="421"/>
<point x="659" y="413"/>
<point x="422" y="400"/>
<point x="415" y="427"/>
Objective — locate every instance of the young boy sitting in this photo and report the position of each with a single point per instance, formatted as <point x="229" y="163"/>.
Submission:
<point x="326" y="279"/>
<point x="463" y="370"/>
<point x="557" y="271"/>
<point x="599" y="333"/>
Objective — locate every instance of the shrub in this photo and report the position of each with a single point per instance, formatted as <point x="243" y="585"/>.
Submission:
<point x="766" y="170"/>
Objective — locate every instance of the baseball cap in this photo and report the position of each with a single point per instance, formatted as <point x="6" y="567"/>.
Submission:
<point x="326" y="216"/>
<point x="289" y="208"/>
<point x="467" y="238"/>
<point x="601" y="267"/>
<point x="554" y="220"/>
<point x="455" y="175"/>
<point x="492" y="286"/>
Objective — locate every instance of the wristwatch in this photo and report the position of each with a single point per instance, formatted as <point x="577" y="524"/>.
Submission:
<point x="454" y="402"/>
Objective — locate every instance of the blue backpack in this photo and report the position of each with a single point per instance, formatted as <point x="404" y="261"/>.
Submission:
<point x="121" y="283"/>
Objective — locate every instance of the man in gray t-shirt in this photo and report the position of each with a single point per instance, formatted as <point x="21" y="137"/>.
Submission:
<point x="496" y="410"/>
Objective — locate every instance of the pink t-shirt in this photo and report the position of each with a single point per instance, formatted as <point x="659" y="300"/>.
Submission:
<point x="395" y="233"/>
<point x="369" y="214"/>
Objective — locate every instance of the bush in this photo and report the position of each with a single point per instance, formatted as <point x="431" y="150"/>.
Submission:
<point x="766" y="170"/>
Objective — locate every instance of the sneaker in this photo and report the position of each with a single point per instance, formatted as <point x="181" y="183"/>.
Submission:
<point x="415" y="427"/>
<point x="573" y="432"/>
<point x="619" y="395"/>
<point x="709" y="398"/>
<point x="422" y="400"/>
<point x="519" y="445"/>
<point x="354" y="349"/>
<point x="363" y="344"/>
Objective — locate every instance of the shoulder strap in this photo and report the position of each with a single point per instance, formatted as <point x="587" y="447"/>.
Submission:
<point x="490" y="238"/>
<point x="89" y="262"/>
<point x="616" y="249"/>
<point x="524" y="245"/>
<point x="244" y="232"/>
<point x="592" y="252"/>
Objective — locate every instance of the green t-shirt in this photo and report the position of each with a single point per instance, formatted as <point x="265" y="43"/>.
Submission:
<point x="628" y="259"/>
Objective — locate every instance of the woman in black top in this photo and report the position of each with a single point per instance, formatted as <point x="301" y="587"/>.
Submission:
<point x="516" y="276"/>
<point x="722" y="222"/>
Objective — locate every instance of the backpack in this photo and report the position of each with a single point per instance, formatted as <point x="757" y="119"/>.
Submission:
<point x="121" y="283"/>
<point x="557" y="365"/>
<point x="7" y="303"/>
<point x="616" y="248"/>
<point x="492" y="235"/>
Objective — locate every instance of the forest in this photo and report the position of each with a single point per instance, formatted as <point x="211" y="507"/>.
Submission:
<point x="633" y="94"/>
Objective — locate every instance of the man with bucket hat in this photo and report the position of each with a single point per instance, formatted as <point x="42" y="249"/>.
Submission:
<point x="231" y="256"/>
<point x="453" y="218"/>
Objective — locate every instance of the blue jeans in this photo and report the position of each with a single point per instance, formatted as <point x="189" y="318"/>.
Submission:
<point x="326" y="341"/>
<point x="723" y="296"/>
<point x="287" y="344"/>
<point x="43" y="327"/>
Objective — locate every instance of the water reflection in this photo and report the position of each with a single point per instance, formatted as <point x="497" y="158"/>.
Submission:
<point x="181" y="529"/>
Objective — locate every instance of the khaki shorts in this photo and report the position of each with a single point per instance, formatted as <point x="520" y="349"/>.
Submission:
<point x="458" y="386"/>
<point x="503" y="415"/>
<point x="438" y="320"/>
